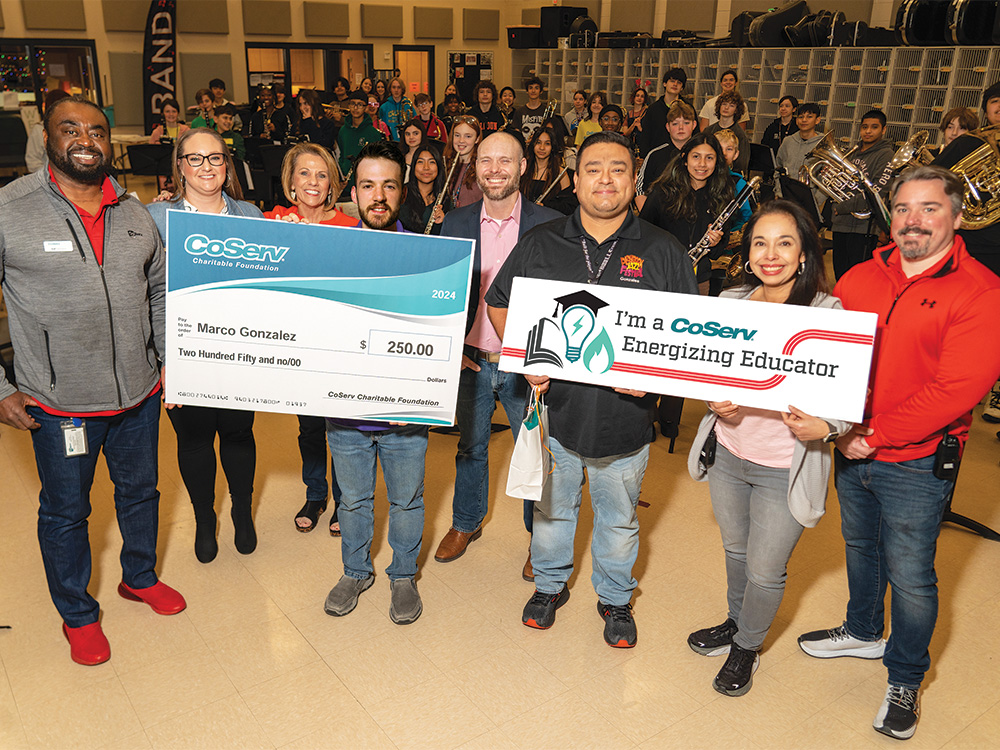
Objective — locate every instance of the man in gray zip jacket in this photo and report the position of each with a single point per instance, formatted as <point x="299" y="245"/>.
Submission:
<point x="82" y="271"/>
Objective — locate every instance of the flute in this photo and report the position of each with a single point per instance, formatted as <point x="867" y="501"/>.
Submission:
<point x="441" y="195"/>
<point x="548" y="190"/>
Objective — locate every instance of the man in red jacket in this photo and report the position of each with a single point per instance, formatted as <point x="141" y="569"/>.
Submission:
<point x="936" y="305"/>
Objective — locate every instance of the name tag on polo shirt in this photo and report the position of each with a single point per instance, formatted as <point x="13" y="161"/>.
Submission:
<point x="58" y="246"/>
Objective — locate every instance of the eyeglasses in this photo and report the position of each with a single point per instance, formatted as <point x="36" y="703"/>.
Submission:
<point x="611" y="118"/>
<point x="196" y="160"/>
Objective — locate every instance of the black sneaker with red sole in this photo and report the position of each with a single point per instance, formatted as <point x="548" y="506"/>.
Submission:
<point x="540" y="611"/>
<point x="619" y="625"/>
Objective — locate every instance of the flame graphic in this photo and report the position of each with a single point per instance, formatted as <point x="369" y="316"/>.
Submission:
<point x="599" y="354"/>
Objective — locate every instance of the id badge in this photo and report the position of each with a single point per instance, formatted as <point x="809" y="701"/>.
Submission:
<point x="74" y="438"/>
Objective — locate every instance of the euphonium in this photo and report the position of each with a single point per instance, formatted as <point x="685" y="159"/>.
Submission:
<point x="980" y="171"/>
<point x="913" y="153"/>
<point x="836" y="176"/>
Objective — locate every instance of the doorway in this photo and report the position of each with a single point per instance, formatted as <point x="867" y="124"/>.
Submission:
<point x="416" y="67"/>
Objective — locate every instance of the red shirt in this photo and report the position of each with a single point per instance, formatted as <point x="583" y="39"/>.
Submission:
<point x="339" y="218"/>
<point x="933" y="356"/>
<point x="94" y="225"/>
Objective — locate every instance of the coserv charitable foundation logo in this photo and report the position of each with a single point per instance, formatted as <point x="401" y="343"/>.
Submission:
<point x="574" y="336"/>
<point x="234" y="248"/>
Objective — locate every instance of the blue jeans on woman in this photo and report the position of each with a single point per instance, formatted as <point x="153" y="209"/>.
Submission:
<point x="750" y="502"/>
<point x="615" y="482"/>
<point x="357" y="453"/>
<point x="477" y="394"/>
<point x="129" y="441"/>
<point x="890" y="516"/>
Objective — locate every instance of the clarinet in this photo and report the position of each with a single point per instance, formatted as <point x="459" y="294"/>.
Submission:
<point x="441" y="195"/>
<point x="703" y="246"/>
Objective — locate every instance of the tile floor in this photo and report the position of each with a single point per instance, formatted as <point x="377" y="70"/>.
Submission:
<point x="255" y="663"/>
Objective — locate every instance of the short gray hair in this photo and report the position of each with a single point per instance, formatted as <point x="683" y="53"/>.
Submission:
<point x="952" y="185"/>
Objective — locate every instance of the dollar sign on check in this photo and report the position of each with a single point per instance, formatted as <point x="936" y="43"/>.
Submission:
<point x="363" y="344"/>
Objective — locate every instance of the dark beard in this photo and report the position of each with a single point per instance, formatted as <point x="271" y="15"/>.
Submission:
<point x="89" y="175"/>
<point x="373" y="223"/>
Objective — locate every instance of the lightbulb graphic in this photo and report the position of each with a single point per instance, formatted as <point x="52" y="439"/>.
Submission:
<point x="577" y="324"/>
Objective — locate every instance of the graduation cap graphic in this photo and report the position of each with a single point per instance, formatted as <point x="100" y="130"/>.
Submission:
<point x="584" y="299"/>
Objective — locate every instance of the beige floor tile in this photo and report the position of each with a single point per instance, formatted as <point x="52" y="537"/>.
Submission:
<point x="224" y="725"/>
<point x="565" y="721"/>
<point x="261" y="652"/>
<point x="177" y="685"/>
<point x="455" y="635"/>
<point x="702" y="730"/>
<point x="434" y="714"/>
<point x="385" y="666"/>
<point x="493" y="740"/>
<point x="11" y="730"/>
<point x="88" y="718"/>
<point x="358" y="731"/>
<point x="42" y="672"/>
<point x="329" y="634"/>
<point x="981" y="733"/>
<point x="821" y="732"/>
<point x="135" y="742"/>
<point x="140" y="637"/>
<point x="306" y="701"/>
<point x="636" y="699"/>
<point x="506" y="683"/>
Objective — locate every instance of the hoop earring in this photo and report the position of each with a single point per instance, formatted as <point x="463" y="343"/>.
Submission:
<point x="802" y="266"/>
<point x="746" y="269"/>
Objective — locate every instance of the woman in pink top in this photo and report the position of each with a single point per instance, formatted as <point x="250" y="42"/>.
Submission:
<point x="767" y="471"/>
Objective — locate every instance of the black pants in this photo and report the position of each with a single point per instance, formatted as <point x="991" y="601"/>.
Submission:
<point x="849" y="249"/>
<point x="196" y="428"/>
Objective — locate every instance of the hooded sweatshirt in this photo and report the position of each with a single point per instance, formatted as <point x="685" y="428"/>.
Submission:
<point x="875" y="164"/>
<point x="792" y="155"/>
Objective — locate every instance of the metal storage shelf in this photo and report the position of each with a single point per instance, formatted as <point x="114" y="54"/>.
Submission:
<point x="913" y="86"/>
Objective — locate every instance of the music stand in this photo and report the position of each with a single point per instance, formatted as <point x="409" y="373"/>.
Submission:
<point x="150" y="159"/>
<point x="761" y="159"/>
<point x="799" y="192"/>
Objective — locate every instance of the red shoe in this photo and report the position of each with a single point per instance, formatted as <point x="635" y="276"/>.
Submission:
<point x="87" y="644"/>
<point x="160" y="597"/>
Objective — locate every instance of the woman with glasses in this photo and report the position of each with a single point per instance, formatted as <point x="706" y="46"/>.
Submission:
<point x="205" y="182"/>
<point x="612" y="118"/>
<point x="462" y="145"/>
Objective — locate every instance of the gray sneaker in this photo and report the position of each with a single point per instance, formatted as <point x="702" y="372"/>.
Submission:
<point x="343" y="597"/>
<point x="830" y="644"/>
<point x="406" y="606"/>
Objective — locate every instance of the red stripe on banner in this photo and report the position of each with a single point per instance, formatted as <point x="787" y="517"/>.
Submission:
<point x="509" y="351"/>
<point x="847" y="338"/>
<point x="698" y="377"/>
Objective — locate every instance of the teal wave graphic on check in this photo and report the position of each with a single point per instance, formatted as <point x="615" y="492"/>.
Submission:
<point x="434" y="293"/>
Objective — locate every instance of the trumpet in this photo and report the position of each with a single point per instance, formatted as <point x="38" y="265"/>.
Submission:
<point x="703" y="246"/>
<point x="334" y="110"/>
<point x="441" y="195"/>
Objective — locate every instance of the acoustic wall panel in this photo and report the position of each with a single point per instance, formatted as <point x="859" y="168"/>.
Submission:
<point x="267" y="17"/>
<point x="327" y="19"/>
<point x="696" y="15"/>
<point x="381" y="20"/>
<point x="433" y="23"/>
<point x="126" y="83"/>
<point x="197" y="69"/>
<point x="633" y="15"/>
<point x="65" y="15"/>
<point x="124" y="15"/>
<point x="202" y="17"/>
<point x="481" y="24"/>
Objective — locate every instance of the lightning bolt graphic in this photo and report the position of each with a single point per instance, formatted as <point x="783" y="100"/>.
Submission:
<point x="578" y="325"/>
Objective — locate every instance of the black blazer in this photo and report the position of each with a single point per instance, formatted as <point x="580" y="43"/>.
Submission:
<point x="464" y="222"/>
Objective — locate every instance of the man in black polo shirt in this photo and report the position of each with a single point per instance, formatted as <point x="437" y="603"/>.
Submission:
<point x="603" y="430"/>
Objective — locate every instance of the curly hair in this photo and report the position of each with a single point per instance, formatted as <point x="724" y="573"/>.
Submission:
<point x="730" y="97"/>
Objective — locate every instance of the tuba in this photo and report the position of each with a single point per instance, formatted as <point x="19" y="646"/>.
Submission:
<point x="913" y="153"/>
<point x="980" y="172"/>
<point x="833" y="173"/>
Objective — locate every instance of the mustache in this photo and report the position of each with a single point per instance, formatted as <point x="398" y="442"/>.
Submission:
<point x="914" y="230"/>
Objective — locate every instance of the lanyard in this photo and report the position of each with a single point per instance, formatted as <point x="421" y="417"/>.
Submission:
<point x="593" y="278"/>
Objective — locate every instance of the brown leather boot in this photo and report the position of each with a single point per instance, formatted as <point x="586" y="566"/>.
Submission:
<point x="454" y="544"/>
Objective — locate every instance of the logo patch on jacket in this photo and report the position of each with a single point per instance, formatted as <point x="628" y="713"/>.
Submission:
<point x="631" y="268"/>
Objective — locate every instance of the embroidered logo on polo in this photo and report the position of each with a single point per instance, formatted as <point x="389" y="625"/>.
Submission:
<point x="574" y="336"/>
<point x="631" y="268"/>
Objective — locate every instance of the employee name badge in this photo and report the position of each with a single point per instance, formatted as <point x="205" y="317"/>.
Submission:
<point x="58" y="246"/>
<point x="74" y="437"/>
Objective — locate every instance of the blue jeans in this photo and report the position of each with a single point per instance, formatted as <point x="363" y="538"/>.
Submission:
<point x="890" y="517"/>
<point x="129" y="441"/>
<point x="750" y="502"/>
<point x="313" y="449"/>
<point x="357" y="453"/>
<point x="477" y="393"/>
<point x="615" y="482"/>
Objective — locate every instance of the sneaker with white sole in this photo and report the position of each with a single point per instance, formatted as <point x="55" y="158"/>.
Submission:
<point x="830" y="644"/>
<point x="713" y="641"/>
<point x="736" y="676"/>
<point x="991" y="412"/>
<point x="898" y="714"/>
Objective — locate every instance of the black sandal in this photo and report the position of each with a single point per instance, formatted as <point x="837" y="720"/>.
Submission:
<point x="312" y="510"/>
<point x="334" y="520"/>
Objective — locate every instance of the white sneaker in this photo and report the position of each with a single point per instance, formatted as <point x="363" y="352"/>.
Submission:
<point x="830" y="644"/>
<point x="991" y="412"/>
<point x="898" y="714"/>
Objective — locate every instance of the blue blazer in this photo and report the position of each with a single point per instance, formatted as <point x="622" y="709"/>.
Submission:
<point x="464" y="222"/>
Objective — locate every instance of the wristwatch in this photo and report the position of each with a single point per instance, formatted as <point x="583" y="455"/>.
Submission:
<point x="831" y="435"/>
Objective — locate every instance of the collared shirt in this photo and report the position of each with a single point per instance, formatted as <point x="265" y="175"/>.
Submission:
<point x="94" y="224"/>
<point x="497" y="239"/>
<point x="592" y="420"/>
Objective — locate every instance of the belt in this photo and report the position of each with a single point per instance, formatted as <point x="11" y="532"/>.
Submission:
<point x="491" y="357"/>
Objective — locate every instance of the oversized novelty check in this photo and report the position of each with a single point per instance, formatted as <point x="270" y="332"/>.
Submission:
<point x="751" y="353"/>
<point x="307" y="319"/>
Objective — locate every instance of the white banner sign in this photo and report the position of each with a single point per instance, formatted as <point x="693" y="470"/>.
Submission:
<point x="716" y="349"/>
